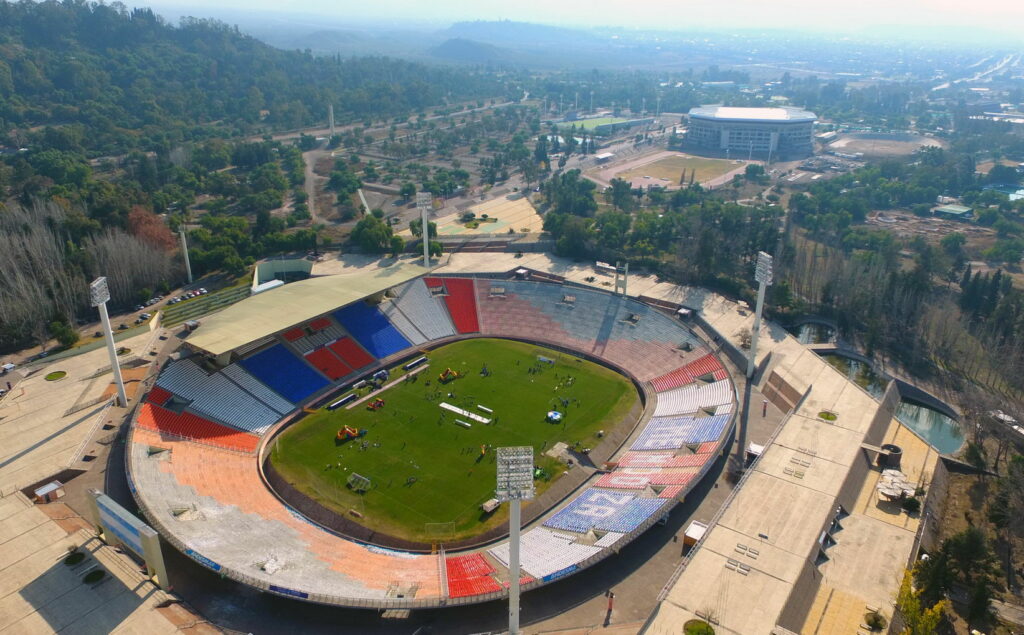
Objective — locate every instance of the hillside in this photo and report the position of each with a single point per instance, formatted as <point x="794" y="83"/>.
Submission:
<point x="114" y="79"/>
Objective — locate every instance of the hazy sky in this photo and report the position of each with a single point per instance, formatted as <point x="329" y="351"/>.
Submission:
<point x="1002" y="15"/>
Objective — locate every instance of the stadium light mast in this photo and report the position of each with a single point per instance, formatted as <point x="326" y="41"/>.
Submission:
<point x="423" y="201"/>
<point x="515" y="484"/>
<point x="99" y="293"/>
<point x="763" y="275"/>
<point x="184" y="252"/>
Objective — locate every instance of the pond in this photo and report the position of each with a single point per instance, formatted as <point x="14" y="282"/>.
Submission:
<point x="942" y="432"/>
<point x="812" y="333"/>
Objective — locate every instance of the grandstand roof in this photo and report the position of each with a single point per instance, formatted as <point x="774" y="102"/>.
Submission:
<point x="263" y="315"/>
<point x="730" y="113"/>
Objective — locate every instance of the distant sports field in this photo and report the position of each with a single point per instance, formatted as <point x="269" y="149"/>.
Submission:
<point x="672" y="167"/>
<point x="590" y="124"/>
<point x="428" y="474"/>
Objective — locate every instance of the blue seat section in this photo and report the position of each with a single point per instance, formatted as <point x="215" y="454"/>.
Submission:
<point x="371" y="328"/>
<point x="285" y="373"/>
<point x="589" y="509"/>
<point x="669" y="433"/>
<point x="632" y="515"/>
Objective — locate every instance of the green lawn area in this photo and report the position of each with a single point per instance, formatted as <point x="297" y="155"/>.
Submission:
<point x="590" y="124"/>
<point x="672" y="167"/>
<point x="412" y="436"/>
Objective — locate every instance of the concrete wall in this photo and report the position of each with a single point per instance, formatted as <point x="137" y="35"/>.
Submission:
<point x="269" y="269"/>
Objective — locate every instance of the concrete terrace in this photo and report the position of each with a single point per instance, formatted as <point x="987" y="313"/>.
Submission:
<point x="40" y="594"/>
<point x="45" y="426"/>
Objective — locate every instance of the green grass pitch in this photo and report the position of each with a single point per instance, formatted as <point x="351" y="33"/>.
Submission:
<point x="413" y="437"/>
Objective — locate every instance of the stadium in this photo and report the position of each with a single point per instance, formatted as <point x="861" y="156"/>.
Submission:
<point x="203" y="448"/>
<point x="740" y="132"/>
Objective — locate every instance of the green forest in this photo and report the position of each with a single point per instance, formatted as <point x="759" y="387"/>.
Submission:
<point x="113" y="123"/>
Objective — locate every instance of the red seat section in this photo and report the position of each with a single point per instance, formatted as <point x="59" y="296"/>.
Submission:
<point x="469" y="566"/>
<point x="351" y="353"/>
<point x="706" y="365"/>
<point x="294" y="334"/>
<point x="159" y="396"/>
<point x="320" y="324"/>
<point x="470" y="575"/>
<point x="326" y="362"/>
<point x="473" y="586"/>
<point x="195" y="428"/>
<point x="461" y="303"/>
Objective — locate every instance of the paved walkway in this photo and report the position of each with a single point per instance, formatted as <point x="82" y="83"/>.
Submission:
<point x="41" y="594"/>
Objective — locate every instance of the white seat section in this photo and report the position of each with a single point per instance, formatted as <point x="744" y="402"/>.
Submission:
<point x="216" y="396"/>
<point x="694" y="397"/>
<point x="183" y="377"/>
<point x="261" y="391"/>
<point x="226" y="402"/>
<point x="424" y="310"/>
<point x="544" y="552"/>
<point x="402" y="323"/>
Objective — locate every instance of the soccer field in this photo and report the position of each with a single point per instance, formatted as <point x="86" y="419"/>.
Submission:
<point x="412" y="437"/>
<point x="672" y="167"/>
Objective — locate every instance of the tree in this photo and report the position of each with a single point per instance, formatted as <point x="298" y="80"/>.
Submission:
<point x="64" y="334"/>
<point x="416" y="227"/>
<point x="975" y="456"/>
<point x="150" y="229"/>
<point x="620" y="195"/>
<point x="918" y="619"/>
<point x="407" y="191"/>
<point x="397" y="246"/>
<point x="372" y="234"/>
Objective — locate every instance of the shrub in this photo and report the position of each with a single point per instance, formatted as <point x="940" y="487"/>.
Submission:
<point x="875" y="620"/>
<point x="911" y="505"/>
<point x="698" y="627"/>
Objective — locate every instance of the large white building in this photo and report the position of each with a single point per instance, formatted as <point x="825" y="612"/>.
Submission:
<point x="784" y="132"/>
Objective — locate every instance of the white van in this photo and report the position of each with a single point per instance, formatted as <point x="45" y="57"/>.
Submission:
<point x="6" y="368"/>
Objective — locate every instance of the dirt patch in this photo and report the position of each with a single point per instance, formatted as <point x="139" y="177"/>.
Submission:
<point x="882" y="145"/>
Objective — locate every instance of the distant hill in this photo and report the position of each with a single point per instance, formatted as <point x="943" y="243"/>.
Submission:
<point x="471" y="52"/>
<point x="517" y="33"/>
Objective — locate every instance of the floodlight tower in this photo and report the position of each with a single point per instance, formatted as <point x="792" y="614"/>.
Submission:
<point x="515" y="484"/>
<point x="99" y="293"/>
<point x="763" y="275"/>
<point x="184" y="252"/>
<point x="423" y="203"/>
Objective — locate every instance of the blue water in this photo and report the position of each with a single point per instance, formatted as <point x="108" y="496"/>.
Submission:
<point x="943" y="433"/>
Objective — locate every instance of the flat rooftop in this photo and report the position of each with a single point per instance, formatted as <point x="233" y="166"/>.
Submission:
<point x="731" y="113"/>
<point x="263" y="315"/>
<point x="787" y="500"/>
